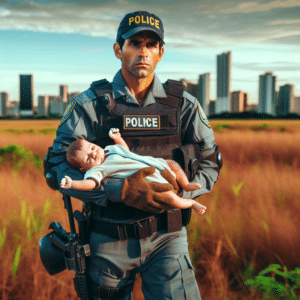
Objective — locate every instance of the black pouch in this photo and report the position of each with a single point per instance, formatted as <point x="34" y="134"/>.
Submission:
<point x="186" y="216"/>
<point x="188" y="158"/>
<point x="49" y="174"/>
<point x="174" y="220"/>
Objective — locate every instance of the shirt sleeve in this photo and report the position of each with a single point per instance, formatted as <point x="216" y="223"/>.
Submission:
<point x="75" y="124"/>
<point x="96" y="174"/>
<point x="196" y="129"/>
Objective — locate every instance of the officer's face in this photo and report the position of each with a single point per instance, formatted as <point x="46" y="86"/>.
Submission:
<point x="140" y="55"/>
<point x="90" y="155"/>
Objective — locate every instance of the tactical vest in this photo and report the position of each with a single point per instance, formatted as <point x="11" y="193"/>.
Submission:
<point x="152" y="130"/>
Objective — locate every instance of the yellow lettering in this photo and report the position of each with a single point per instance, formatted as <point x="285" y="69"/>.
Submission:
<point x="147" y="19"/>
<point x="143" y="21"/>
<point x="131" y="20"/>
<point x="152" y="21"/>
<point x="137" y="19"/>
<point x="157" y="23"/>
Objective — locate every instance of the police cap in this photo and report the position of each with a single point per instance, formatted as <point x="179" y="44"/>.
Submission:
<point x="138" y="21"/>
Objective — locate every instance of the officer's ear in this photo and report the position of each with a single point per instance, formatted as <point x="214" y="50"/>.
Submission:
<point x="161" y="52"/>
<point x="117" y="50"/>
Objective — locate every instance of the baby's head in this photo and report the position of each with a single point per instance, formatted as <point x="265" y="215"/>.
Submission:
<point x="84" y="155"/>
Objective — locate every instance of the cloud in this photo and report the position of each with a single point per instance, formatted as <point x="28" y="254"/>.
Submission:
<point x="284" y="22"/>
<point x="188" y="24"/>
<point x="274" y="66"/>
<point x="255" y="6"/>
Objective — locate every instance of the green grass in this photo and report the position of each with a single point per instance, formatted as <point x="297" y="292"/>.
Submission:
<point x="276" y="282"/>
<point x="17" y="155"/>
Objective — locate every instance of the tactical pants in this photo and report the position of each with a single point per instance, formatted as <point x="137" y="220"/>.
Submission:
<point x="162" y="260"/>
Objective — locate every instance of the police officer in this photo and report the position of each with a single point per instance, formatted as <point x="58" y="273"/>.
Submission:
<point x="132" y="227"/>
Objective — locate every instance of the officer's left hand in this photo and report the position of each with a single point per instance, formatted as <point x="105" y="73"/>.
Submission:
<point x="141" y="194"/>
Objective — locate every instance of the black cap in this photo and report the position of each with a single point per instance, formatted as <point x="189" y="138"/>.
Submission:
<point x="138" y="21"/>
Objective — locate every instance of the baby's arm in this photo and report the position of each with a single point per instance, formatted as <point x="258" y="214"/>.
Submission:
<point x="115" y="134"/>
<point x="181" y="176"/>
<point x="79" y="185"/>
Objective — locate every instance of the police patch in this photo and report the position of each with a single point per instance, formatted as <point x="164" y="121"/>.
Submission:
<point x="203" y="116"/>
<point x="68" y="112"/>
<point x="146" y="122"/>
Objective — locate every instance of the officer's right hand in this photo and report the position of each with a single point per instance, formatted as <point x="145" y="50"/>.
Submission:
<point x="139" y="193"/>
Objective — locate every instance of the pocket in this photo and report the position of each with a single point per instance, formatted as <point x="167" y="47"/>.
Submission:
<point x="188" y="261"/>
<point x="190" y="287"/>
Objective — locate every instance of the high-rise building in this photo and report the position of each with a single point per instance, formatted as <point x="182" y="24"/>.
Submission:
<point x="26" y="95"/>
<point x="297" y="105"/>
<point x="43" y="105"/>
<point x="245" y="101"/>
<point x="223" y="82"/>
<point x="203" y="89"/>
<point x="212" y="108"/>
<point x="3" y="103"/>
<point x="238" y="101"/>
<point x="56" y="106"/>
<point x="286" y="100"/>
<point x="63" y="93"/>
<point x="13" y="108"/>
<point x="267" y="96"/>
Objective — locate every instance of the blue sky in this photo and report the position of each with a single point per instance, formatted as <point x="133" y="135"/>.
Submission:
<point x="70" y="42"/>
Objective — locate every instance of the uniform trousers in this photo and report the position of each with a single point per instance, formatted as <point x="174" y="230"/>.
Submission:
<point x="162" y="260"/>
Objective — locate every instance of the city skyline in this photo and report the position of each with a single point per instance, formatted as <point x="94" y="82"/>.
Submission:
<point x="41" y="38"/>
<point x="276" y="103"/>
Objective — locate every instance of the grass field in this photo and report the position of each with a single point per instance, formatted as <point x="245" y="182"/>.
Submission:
<point x="252" y="217"/>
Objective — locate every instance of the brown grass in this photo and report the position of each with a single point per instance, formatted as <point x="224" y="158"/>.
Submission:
<point x="252" y="216"/>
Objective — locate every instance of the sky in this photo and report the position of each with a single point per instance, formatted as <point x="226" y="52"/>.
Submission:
<point x="71" y="42"/>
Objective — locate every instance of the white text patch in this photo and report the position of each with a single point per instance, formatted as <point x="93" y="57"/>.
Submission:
<point x="141" y="122"/>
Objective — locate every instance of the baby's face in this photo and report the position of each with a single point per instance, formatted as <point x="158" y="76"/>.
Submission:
<point x="90" y="156"/>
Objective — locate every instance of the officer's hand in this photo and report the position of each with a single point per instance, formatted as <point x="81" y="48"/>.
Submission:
<point x="139" y="193"/>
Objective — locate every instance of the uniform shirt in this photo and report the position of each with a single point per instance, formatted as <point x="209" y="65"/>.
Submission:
<point x="77" y="123"/>
<point x="121" y="163"/>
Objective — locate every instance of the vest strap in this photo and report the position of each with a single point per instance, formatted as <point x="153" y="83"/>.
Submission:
<point x="174" y="90"/>
<point x="101" y="87"/>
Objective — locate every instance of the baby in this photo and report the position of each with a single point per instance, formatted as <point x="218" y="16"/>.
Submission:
<point x="119" y="162"/>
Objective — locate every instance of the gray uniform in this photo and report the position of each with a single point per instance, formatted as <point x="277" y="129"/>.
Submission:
<point x="159" y="257"/>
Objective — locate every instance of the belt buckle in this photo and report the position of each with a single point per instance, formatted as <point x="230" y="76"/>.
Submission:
<point x="143" y="228"/>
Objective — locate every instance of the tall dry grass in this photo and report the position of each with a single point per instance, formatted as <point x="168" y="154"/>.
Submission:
<point x="251" y="219"/>
<point x="252" y="214"/>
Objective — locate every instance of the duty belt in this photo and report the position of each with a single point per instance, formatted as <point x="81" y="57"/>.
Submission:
<point x="118" y="211"/>
<point x="170" y="220"/>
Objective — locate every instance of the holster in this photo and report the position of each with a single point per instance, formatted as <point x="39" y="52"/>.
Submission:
<point x="188" y="157"/>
